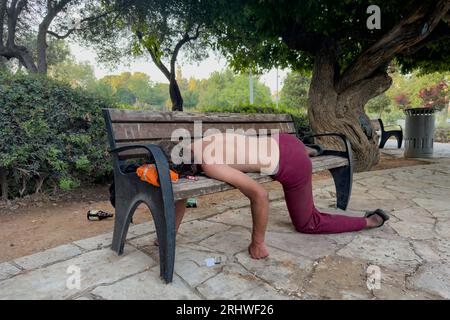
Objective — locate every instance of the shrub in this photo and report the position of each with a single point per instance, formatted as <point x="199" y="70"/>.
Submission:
<point x="50" y="134"/>
<point x="298" y="115"/>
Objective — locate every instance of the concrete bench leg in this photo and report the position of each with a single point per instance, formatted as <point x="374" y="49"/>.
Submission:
<point x="383" y="141"/>
<point x="163" y="212"/>
<point x="164" y="217"/>
<point x="123" y="215"/>
<point x="399" y="139"/>
<point x="385" y="136"/>
<point x="343" y="179"/>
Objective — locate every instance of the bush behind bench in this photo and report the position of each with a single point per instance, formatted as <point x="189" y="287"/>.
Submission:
<point x="53" y="136"/>
<point x="50" y="133"/>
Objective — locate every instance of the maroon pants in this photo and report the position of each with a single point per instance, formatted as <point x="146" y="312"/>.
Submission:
<point x="295" y="175"/>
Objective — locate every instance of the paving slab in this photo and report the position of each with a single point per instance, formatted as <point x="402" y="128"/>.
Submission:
<point x="7" y="270"/>
<point x="263" y="292"/>
<point x="395" y="254"/>
<point x="414" y="230"/>
<point x="439" y="208"/>
<point x="146" y="286"/>
<point x="338" y="278"/>
<point x="433" y="278"/>
<point x="234" y="280"/>
<point x="58" y="281"/>
<point x="191" y="265"/>
<point x="228" y="242"/>
<point x="392" y="286"/>
<point x="443" y="228"/>
<point x="141" y="229"/>
<point x="48" y="256"/>
<point x="95" y="243"/>
<point x="199" y="230"/>
<point x="282" y="270"/>
<point x="305" y="245"/>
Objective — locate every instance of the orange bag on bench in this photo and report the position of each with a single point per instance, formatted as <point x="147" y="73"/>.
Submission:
<point x="148" y="173"/>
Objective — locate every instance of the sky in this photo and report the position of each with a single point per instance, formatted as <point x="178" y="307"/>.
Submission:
<point x="200" y="70"/>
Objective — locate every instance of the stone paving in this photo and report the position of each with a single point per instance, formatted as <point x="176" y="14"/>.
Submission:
<point x="408" y="258"/>
<point x="440" y="150"/>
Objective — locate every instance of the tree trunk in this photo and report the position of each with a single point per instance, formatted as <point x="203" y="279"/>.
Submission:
<point x="175" y="94"/>
<point x="322" y="117"/>
<point x="4" y="183"/>
<point x="332" y="111"/>
<point x="41" y="46"/>
<point x="26" y="60"/>
<point x="41" y="41"/>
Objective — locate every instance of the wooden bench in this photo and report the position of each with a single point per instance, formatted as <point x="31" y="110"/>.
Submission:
<point x="387" y="132"/>
<point x="136" y="134"/>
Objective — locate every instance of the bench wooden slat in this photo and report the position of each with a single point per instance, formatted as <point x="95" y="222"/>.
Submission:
<point x="375" y="124"/>
<point x="144" y="131"/>
<point x="185" y="188"/>
<point x="142" y="116"/>
<point x="137" y="153"/>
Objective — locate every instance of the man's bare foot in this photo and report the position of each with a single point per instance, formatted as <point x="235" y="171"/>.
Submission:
<point x="258" y="250"/>
<point x="374" y="221"/>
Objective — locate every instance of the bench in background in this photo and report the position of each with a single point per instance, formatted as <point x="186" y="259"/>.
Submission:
<point x="387" y="132"/>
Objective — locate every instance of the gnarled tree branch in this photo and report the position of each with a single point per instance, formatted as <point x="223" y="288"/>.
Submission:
<point x="186" y="38"/>
<point x="410" y="31"/>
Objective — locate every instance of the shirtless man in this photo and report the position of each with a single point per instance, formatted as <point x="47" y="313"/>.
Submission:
<point x="227" y="157"/>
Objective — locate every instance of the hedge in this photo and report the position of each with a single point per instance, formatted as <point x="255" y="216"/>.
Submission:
<point x="51" y="135"/>
<point x="298" y="115"/>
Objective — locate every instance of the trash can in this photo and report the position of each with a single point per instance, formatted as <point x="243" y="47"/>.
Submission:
<point x="419" y="132"/>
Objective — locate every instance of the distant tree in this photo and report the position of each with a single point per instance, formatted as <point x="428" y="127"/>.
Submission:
<point x="134" y="89"/>
<point x="158" y="28"/>
<point x="403" y="101"/>
<point x="21" y="20"/>
<point x="126" y="96"/>
<point x="76" y="74"/>
<point x="436" y="96"/>
<point x="294" y="93"/>
<point x="379" y="105"/>
<point x="224" y="89"/>
<point x="411" y="84"/>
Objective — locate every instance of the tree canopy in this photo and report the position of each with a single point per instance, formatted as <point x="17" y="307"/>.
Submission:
<point x="347" y="54"/>
<point x="25" y="25"/>
<point x="294" y="93"/>
<point x="289" y="33"/>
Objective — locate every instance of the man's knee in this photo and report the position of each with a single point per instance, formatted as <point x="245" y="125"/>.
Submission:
<point x="304" y="229"/>
<point x="309" y="226"/>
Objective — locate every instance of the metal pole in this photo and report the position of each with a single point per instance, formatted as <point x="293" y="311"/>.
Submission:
<point x="277" y="96"/>
<point x="251" y="88"/>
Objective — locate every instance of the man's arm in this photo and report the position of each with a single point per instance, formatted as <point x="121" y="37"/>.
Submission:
<point x="259" y="202"/>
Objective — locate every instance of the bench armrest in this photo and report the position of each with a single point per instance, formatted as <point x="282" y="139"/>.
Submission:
<point x="348" y="148"/>
<point x="161" y="162"/>
<point x="396" y="126"/>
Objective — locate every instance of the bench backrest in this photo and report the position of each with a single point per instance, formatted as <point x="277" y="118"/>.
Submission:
<point x="377" y="124"/>
<point x="127" y="127"/>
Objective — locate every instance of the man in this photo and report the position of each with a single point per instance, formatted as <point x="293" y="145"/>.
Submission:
<point x="227" y="157"/>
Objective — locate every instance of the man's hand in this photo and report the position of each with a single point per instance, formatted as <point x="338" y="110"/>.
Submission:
<point x="258" y="250"/>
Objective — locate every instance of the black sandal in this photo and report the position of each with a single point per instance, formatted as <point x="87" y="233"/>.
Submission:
<point x="379" y="212"/>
